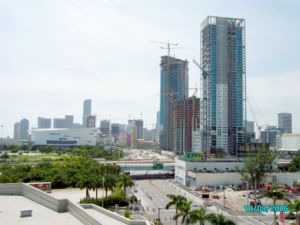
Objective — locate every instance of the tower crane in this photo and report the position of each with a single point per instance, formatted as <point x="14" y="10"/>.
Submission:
<point x="204" y="116"/>
<point x="166" y="45"/>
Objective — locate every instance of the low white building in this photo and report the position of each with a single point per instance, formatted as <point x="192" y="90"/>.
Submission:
<point x="222" y="172"/>
<point x="288" y="141"/>
<point x="65" y="137"/>
<point x="183" y="167"/>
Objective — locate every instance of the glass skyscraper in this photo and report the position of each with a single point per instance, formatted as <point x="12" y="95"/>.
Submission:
<point x="173" y="87"/>
<point x="224" y="88"/>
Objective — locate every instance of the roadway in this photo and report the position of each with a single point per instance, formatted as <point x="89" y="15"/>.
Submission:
<point x="153" y="195"/>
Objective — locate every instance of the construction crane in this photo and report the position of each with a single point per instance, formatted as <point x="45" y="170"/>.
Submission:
<point x="167" y="45"/>
<point x="259" y="126"/>
<point x="204" y="108"/>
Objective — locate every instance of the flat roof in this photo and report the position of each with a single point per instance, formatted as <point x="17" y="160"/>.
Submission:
<point x="12" y="205"/>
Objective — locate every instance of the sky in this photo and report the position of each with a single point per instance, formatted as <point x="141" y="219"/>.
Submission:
<point x="56" y="53"/>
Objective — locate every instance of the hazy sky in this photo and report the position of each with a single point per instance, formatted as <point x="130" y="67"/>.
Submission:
<point x="56" y="53"/>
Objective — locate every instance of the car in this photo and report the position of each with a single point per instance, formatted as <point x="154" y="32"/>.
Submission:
<point x="252" y="203"/>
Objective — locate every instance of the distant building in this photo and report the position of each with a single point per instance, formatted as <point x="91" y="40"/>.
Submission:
<point x="269" y="135"/>
<point x="285" y="122"/>
<point x="87" y="111"/>
<point x="288" y="141"/>
<point x="149" y="135"/>
<point x="69" y="121"/>
<point x="65" y="137"/>
<point x="250" y="126"/>
<point x="122" y="129"/>
<point x="91" y="121"/>
<point x="115" y="131"/>
<point x="44" y="123"/>
<point x="58" y="123"/>
<point x="77" y="125"/>
<point x="173" y="86"/>
<point x="139" y="128"/>
<point x="17" y="131"/>
<point x="223" y="50"/>
<point x="105" y="127"/>
<point x="24" y="128"/>
<point x="186" y="125"/>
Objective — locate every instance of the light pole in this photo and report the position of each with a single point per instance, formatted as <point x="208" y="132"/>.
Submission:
<point x="224" y="197"/>
<point x="102" y="190"/>
<point x="158" y="214"/>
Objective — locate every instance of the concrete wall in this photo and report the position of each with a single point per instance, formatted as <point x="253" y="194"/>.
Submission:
<point x="79" y="213"/>
<point x="41" y="197"/>
<point x="11" y="189"/>
<point x="116" y="216"/>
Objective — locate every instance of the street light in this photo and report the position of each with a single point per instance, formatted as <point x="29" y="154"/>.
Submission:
<point x="224" y="197"/>
<point x="102" y="190"/>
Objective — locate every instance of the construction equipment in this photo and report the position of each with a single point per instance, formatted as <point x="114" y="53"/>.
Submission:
<point x="204" y="115"/>
<point x="167" y="45"/>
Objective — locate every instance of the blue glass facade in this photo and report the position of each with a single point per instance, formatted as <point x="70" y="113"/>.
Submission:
<point x="173" y="86"/>
<point x="223" y="58"/>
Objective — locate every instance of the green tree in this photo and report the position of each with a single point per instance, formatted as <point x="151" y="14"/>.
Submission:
<point x="109" y="183"/>
<point x="219" y="219"/>
<point x="87" y="182"/>
<point x="256" y="166"/>
<point x="275" y="194"/>
<point x="295" y="207"/>
<point x="185" y="210"/>
<point x="125" y="181"/>
<point x="177" y="201"/>
<point x="198" y="215"/>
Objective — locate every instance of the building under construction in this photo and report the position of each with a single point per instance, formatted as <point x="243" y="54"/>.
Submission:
<point x="173" y="87"/>
<point x="186" y="126"/>
<point x="223" y="108"/>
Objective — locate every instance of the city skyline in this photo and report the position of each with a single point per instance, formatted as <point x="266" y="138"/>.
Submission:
<point x="64" y="58"/>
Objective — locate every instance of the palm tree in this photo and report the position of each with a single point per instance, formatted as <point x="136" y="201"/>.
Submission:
<point x="295" y="207"/>
<point x="177" y="201"/>
<point x="199" y="215"/>
<point x="275" y="195"/>
<point x="125" y="181"/>
<point x="109" y="183"/>
<point x="219" y="219"/>
<point x="86" y="182"/>
<point x="184" y="212"/>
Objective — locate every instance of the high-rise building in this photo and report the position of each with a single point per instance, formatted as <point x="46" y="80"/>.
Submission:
<point x="24" y="128"/>
<point x="224" y="90"/>
<point x="139" y="128"/>
<point x="17" y="131"/>
<point x="250" y="126"/>
<point x="69" y="121"/>
<point x="115" y="131"/>
<point x="87" y="111"/>
<point x="44" y="123"/>
<point x="269" y="135"/>
<point x="58" y="123"/>
<point x="91" y="121"/>
<point x="173" y="87"/>
<point x="157" y="127"/>
<point x="105" y="127"/>
<point x="187" y="125"/>
<point x="285" y="122"/>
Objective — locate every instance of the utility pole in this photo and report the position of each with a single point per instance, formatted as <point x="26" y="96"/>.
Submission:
<point x="102" y="191"/>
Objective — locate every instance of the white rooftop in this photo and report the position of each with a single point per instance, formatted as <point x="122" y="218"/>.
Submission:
<point x="10" y="207"/>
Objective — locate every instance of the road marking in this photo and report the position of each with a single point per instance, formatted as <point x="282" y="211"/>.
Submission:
<point x="250" y="218"/>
